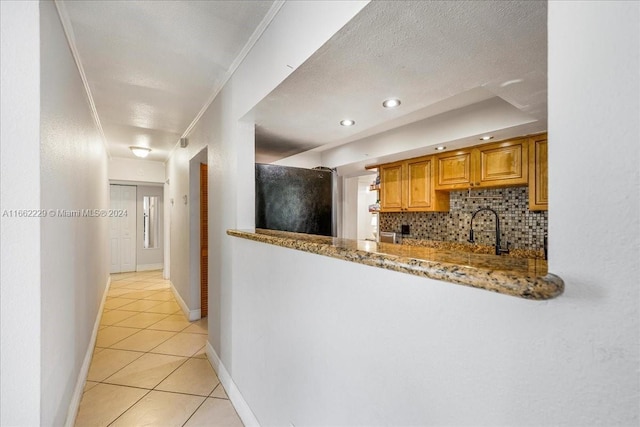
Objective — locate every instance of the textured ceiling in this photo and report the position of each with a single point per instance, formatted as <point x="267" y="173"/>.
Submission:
<point x="424" y="53"/>
<point x="152" y="65"/>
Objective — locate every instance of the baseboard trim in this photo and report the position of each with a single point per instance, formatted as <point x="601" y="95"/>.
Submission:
<point x="242" y="408"/>
<point x="190" y="314"/>
<point x="76" y="397"/>
<point x="149" y="267"/>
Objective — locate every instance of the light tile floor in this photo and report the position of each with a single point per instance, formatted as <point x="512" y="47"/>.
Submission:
<point x="149" y="366"/>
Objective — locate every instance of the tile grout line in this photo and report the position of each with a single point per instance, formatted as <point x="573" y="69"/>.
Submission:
<point x="194" y="412"/>
<point x="150" y="351"/>
<point x="132" y="405"/>
<point x="168" y="375"/>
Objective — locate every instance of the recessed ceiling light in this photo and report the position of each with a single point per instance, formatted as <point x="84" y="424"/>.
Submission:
<point x="391" y="103"/>
<point x="347" y="122"/>
<point x="486" y="138"/>
<point x="140" y="151"/>
<point x="440" y="148"/>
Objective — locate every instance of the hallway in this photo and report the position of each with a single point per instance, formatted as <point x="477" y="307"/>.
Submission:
<point x="149" y="366"/>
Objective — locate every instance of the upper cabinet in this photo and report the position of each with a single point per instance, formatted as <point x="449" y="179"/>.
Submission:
<point x="500" y="164"/>
<point x="409" y="186"/>
<point x="391" y="187"/>
<point x="538" y="173"/>
<point x="503" y="164"/>
<point x="454" y="170"/>
<point x="423" y="183"/>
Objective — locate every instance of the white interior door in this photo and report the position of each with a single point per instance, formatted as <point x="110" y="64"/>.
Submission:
<point x="123" y="229"/>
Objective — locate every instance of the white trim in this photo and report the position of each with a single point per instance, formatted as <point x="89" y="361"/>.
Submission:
<point x="190" y="314"/>
<point x="149" y="267"/>
<point x="76" y="397"/>
<point x="271" y="13"/>
<point x="71" y="41"/>
<point x="242" y="407"/>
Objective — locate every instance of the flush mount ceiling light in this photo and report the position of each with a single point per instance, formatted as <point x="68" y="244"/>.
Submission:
<point x="486" y="138"/>
<point x="440" y="148"/>
<point x="511" y="82"/>
<point x="140" y="151"/>
<point x="347" y="122"/>
<point x="391" y="103"/>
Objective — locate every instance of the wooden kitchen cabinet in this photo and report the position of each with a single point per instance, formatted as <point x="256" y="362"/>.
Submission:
<point x="500" y="164"/>
<point x="391" y="187"/>
<point x="538" y="173"/>
<point x="454" y="170"/>
<point x="409" y="186"/>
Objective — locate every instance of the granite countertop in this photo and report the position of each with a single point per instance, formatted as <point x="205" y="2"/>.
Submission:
<point x="521" y="277"/>
<point x="472" y="247"/>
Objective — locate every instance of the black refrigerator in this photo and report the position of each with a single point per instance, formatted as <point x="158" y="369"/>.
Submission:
<point x="295" y="199"/>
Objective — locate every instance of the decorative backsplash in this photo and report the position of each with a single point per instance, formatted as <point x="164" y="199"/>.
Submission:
<point x="522" y="228"/>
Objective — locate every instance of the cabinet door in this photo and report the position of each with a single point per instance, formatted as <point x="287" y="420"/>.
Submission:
<point x="454" y="170"/>
<point x="503" y="164"/>
<point x="419" y="186"/>
<point x="391" y="187"/>
<point x="538" y="170"/>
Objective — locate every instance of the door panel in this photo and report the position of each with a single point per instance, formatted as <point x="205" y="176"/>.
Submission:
<point x="419" y="182"/>
<point x="454" y="170"/>
<point x="538" y="174"/>
<point x="504" y="164"/>
<point x="114" y="229"/>
<point x="123" y="229"/>
<point x="391" y="189"/>
<point x="204" y="242"/>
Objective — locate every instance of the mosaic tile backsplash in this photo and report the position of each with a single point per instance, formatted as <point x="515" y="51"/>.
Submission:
<point x="522" y="228"/>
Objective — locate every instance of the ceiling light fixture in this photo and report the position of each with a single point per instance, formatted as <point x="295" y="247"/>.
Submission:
<point x="391" y="103"/>
<point x="347" y="122"/>
<point x="440" y="148"/>
<point x="511" y="82"/>
<point x="140" y="151"/>
<point x="486" y="138"/>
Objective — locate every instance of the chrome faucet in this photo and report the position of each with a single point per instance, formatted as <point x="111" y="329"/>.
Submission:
<point x="499" y="250"/>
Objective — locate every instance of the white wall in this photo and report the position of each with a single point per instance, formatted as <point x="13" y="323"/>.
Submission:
<point x="594" y="126"/>
<point x="20" y="188"/>
<point x="308" y="160"/>
<point x="367" y="346"/>
<point x="136" y="170"/>
<point x="373" y="347"/>
<point x="75" y="261"/>
<point x="177" y="216"/>
<point x="297" y="31"/>
<point x="55" y="289"/>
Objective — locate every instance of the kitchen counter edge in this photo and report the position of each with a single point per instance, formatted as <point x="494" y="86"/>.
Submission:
<point x="504" y="281"/>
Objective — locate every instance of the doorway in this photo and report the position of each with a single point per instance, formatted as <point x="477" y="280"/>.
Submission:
<point x="150" y="242"/>
<point x="367" y="217"/>
<point x="359" y="218"/>
<point x="122" y="232"/>
<point x="198" y="298"/>
<point x="204" y="242"/>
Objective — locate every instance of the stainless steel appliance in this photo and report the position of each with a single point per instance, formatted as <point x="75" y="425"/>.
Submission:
<point x="389" y="237"/>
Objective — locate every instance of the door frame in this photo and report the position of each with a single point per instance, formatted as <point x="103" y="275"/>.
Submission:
<point x="193" y="305"/>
